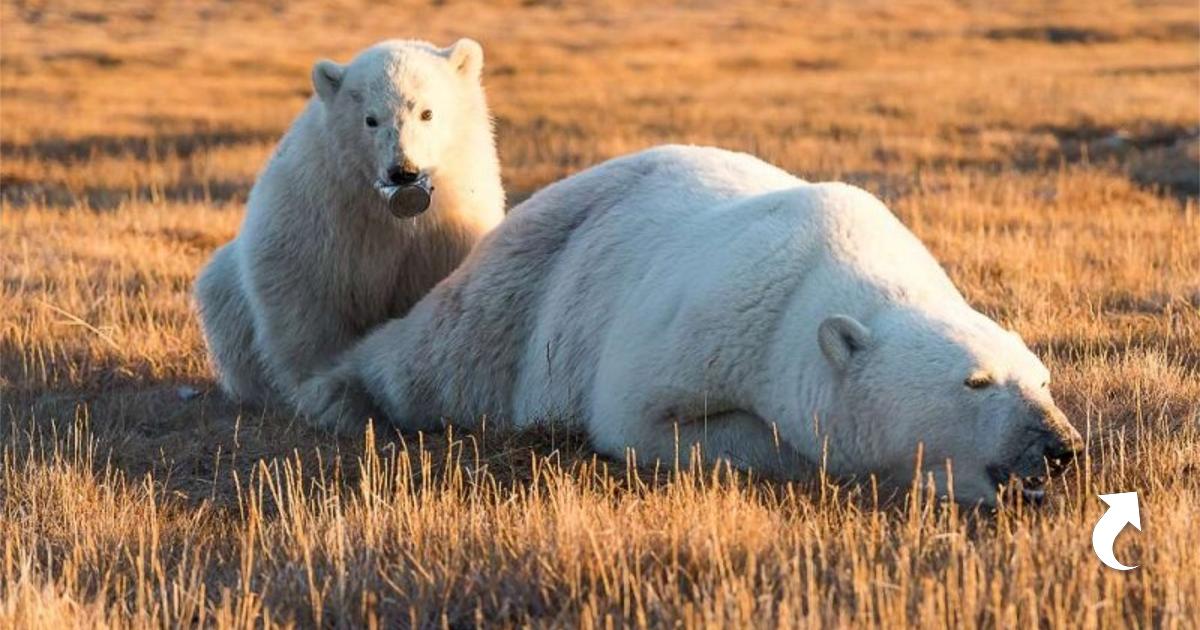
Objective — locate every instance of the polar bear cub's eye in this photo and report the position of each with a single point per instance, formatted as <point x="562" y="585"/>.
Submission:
<point x="371" y="122"/>
<point x="978" y="380"/>
<point x="427" y="115"/>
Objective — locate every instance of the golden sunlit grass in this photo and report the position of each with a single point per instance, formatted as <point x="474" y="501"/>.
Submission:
<point x="1047" y="154"/>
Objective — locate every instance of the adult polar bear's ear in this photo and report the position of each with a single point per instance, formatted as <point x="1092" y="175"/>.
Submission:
<point x="327" y="78"/>
<point x="466" y="56"/>
<point x="841" y="336"/>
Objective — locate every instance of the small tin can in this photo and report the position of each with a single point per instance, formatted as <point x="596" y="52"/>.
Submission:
<point x="408" y="200"/>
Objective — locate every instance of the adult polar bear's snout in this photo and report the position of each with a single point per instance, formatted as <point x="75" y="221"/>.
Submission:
<point x="949" y="391"/>
<point x="1040" y="441"/>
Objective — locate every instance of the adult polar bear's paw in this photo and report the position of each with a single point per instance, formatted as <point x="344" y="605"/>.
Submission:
<point x="336" y="401"/>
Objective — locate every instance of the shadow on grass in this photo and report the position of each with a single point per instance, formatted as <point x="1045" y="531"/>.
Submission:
<point x="200" y="448"/>
<point x="20" y="192"/>
<point x="182" y="145"/>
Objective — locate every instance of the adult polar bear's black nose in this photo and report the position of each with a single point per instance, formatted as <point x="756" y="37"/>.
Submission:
<point x="1060" y="451"/>
<point x="1062" y="443"/>
<point x="403" y="175"/>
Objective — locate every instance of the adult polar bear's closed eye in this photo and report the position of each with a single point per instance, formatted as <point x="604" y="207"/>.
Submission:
<point x="320" y="259"/>
<point x="703" y="295"/>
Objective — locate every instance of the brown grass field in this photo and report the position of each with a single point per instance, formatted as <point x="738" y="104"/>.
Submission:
<point x="1047" y="152"/>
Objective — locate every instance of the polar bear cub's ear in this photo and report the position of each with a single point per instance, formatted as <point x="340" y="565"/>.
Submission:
<point x="466" y="56"/>
<point x="327" y="78"/>
<point x="841" y="336"/>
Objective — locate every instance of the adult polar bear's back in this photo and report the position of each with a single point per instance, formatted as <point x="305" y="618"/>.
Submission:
<point x="523" y="326"/>
<point x="680" y="235"/>
<point x="688" y="296"/>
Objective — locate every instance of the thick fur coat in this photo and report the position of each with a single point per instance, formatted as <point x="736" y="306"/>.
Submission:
<point x="691" y="297"/>
<point x="320" y="260"/>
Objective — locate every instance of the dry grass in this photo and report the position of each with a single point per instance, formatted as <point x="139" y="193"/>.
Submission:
<point x="1047" y="153"/>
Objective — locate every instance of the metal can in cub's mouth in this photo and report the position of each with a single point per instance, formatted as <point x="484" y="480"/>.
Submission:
<point x="408" y="200"/>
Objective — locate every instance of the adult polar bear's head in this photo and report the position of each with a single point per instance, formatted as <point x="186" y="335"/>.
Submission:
<point x="401" y="108"/>
<point x="953" y="385"/>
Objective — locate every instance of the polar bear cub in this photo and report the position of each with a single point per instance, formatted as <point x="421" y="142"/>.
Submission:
<point x="325" y="252"/>
<point x="686" y="297"/>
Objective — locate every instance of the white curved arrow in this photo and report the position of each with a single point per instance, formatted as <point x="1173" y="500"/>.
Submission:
<point x="1124" y="509"/>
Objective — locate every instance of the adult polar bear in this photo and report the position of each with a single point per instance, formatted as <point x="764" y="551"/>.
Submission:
<point x="320" y="258"/>
<point x="686" y="296"/>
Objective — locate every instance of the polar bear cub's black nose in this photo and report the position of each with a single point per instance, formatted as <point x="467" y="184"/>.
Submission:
<point x="403" y="175"/>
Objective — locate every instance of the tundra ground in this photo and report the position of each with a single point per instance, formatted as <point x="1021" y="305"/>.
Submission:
<point x="1046" y="152"/>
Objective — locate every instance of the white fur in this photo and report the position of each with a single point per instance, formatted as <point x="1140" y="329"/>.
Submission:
<point x="320" y="260"/>
<point x="692" y="296"/>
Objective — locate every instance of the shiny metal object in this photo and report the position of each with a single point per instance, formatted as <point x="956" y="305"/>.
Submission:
<point x="407" y="200"/>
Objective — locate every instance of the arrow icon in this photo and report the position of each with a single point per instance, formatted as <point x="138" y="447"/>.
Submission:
<point x="1123" y="509"/>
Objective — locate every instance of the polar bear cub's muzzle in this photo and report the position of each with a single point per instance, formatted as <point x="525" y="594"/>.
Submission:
<point x="407" y="193"/>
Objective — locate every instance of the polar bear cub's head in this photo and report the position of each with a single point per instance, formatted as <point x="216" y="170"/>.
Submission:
<point x="956" y="387"/>
<point x="398" y="110"/>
